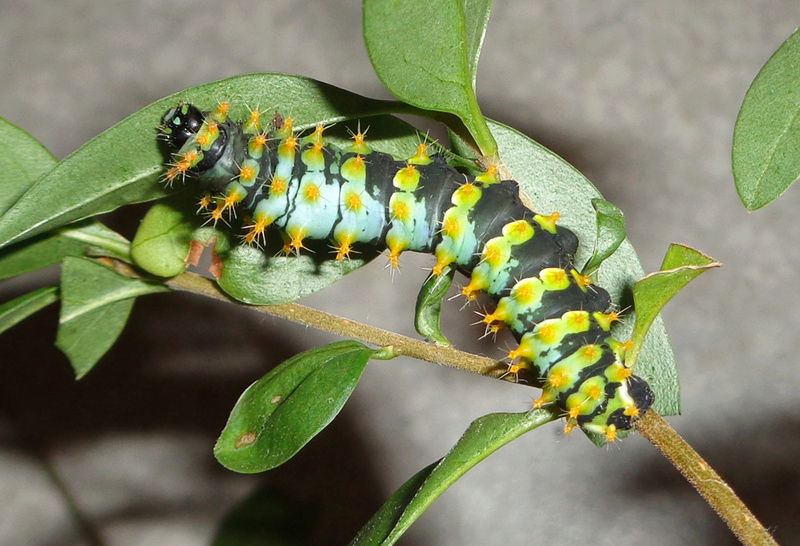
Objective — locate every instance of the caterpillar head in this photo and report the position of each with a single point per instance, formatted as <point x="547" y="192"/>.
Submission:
<point x="642" y="396"/>
<point x="180" y="123"/>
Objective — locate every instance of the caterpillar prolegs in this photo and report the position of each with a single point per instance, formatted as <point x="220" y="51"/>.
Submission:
<point x="313" y="190"/>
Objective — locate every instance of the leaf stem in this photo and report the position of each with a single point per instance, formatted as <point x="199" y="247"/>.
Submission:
<point x="704" y="479"/>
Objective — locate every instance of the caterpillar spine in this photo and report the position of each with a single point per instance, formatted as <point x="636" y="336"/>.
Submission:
<point x="310" y="189"/>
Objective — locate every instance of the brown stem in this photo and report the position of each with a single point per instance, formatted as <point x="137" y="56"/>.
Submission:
<point x="652" y="426"/>
<point x="699" y="473"/>
<point x="401" y="345"/>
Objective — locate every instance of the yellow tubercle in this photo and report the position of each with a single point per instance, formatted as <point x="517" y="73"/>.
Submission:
<point x="554" y="278"/>
<point x="171" y="175"/>
<point x="354" y="169"/>
<point x="467" y="195"/>
<point x="285" y="130"/>
<point x="287" y="148"/>
<point x="401" y="211"/>
<point x="248" y="173"/>
<point x="490" y="318"/>
<point x="527" y="291"/>
<point x="605" y="320"/>
<point x="514" y="354"/>
<point x="313" y="157"/>
<point x="296" y="239"/>
<point x="584" y="281"/>
<point x="353" y="201"/>
<point x="557" y="379"/>
<point x="590" y="352"/>
<point x="548" y="223"/>
<point x="216" y="214"/>
<point x="421" y="157"/>
<point x="490" y="176"/>
<point x="278" y="186"/>
<point x="220" y="114"/>
<point x="255" y="147"/>
<point x="548" y="396"/>
<point x="471" y="291"/>
<point x="618" y="373"/>
<point x="492" y="254"/>
<point x="611" y="433"/>
<point x="257" y="230"/>
<point x="186" y="162"/>
<point x="316" y="136"/>
<point x="632" y="411"/>
<point x="359" y="144"/>
<point x="570" y="426"/>
<point x="577" y="321"/>
<point x="205" y="201"/>
<point x="407" y="178"/>
<point x="452" y="227"/>
<point x="232" y="199"/>
<point x="253" y="124"/>
<point x="394" y="259"/>
<point x="344" y="248"/>
<point x="518" y="232"/>
<point x="441" y="263"/>
<point x="311" y="193"/>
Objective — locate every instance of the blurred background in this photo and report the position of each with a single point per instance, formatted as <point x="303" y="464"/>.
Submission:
<point x="640" y="96"/>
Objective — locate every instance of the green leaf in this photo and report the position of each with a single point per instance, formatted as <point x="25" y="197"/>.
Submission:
<point x="261" y="277"/>
<point x="95" y="304"/>
<point x="23" y="160"/>
<point x="383" y="521"/>
<point x="422" y="54"/>
<point x="83" y="238"/>
<point x="162" y="242"/>
<point x="15" y="311"/>
<point x="429" y="306"/>
<point x="549" y="184"/>
<point x="280" y="413"/>
<point x="484" y="436"/>
<point x="766" y="140"/>
<point x="610" y="233"/>
<point x="476" y="19"/>
<point x="651" y="294"/>
<point x="123" y="164"/>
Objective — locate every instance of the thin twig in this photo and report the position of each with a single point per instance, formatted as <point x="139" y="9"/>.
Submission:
<point x="307" y="316"/>
<point x="699" y="473"/>
<point x="652" y="426"/>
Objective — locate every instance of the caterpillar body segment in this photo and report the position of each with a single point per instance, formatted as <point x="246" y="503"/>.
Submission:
<point x="311" y="189"/>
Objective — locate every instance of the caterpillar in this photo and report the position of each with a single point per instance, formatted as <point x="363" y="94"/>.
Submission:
<point x="312" y="190"/>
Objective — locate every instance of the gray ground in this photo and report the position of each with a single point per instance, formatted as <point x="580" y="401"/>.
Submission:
<point x="641" y="96"/>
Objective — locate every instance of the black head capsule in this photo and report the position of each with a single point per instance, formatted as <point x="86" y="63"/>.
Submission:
<point x="180" y="123"/>
<point x="641" y="393"/>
